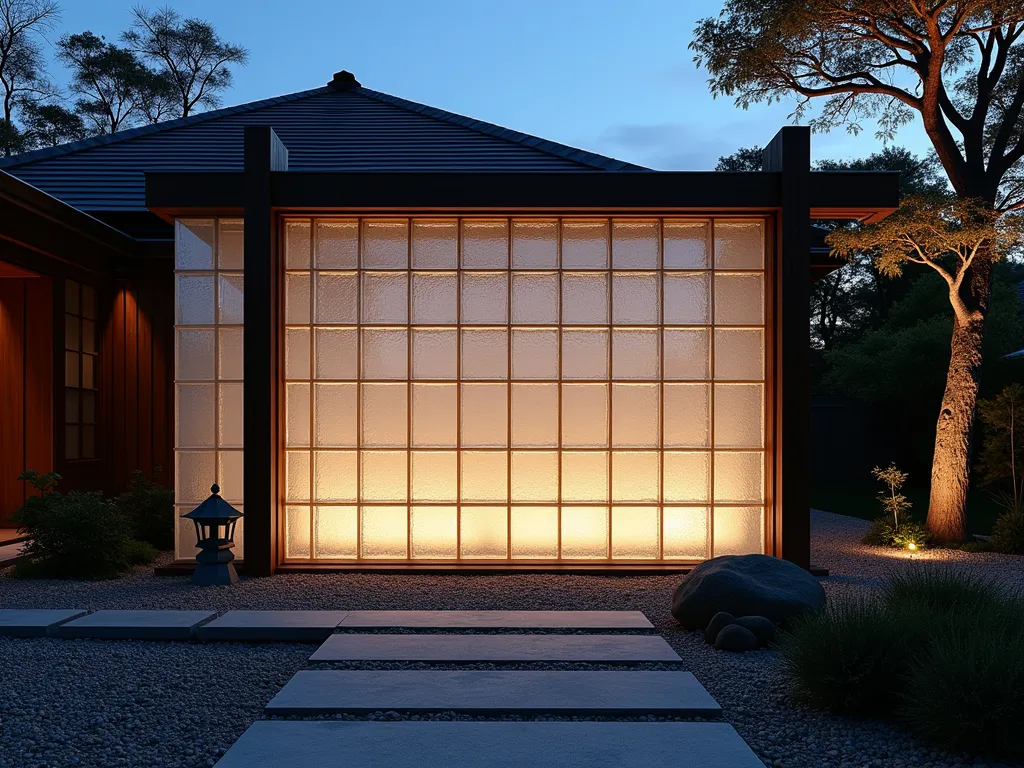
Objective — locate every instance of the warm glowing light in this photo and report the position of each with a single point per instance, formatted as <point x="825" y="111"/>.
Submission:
<point x="911" y="545"/>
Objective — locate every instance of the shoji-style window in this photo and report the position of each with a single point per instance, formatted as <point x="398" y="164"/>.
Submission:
<point x="208" y="369"/>
<point x="81" y="370"/>
<point x="524" y="389"/>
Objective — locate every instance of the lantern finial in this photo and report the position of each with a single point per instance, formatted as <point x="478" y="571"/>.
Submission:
<point x="215" y="489"/>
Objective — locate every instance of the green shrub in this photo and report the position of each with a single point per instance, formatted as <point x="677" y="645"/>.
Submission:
<point x="141" y="553"/>
<point x="1008" y="533"/>
<point x="883" y="533"/>
<point x="943" y="592"/>
<point x="151" y="507"/>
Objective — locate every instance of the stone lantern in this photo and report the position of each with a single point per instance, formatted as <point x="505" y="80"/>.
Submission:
<point x="215" y="532"/>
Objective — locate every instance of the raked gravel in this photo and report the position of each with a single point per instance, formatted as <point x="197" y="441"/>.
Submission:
<point x="180" y="705"/>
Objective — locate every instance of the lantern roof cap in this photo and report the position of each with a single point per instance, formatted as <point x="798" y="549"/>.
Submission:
<point x="214" y="508"/>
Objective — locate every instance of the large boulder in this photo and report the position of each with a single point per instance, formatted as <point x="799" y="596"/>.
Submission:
<point x="746" y="585"/>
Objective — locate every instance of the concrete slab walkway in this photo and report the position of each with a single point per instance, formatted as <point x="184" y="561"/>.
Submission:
<point x="282" y="626"/>
<point x="137" y="625"/>
<point x="34" y="622"/>
<point x="497" y="619"/>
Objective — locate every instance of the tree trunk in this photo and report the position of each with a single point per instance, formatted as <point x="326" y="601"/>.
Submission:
<point x="947" y="504"/>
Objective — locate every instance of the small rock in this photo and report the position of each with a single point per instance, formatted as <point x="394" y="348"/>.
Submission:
<point x="762" y="628"/>
<point x="719" y="621"/>
<point x="736" y="639"/>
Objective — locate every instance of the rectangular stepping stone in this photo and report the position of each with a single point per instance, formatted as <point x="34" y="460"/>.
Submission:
<point x="509" y="648"/>
<point x="285" y="626"/>
<point x="341" y="744"/>
<point x="34" y="622"/>
<point x="137" y="625"/>
<point x="499" y="619"/>
<point x="312" y="692"/>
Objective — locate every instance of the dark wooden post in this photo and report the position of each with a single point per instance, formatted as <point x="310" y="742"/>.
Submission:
<point x="264" y="153"/>
<point x="789" y="153"/>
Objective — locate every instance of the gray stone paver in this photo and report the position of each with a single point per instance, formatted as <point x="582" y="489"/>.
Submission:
<point x="498" y="619"/>
<point x="508" y="648"/>
<point x="34" y="622"/>
<point x="136" y="625"/>
<point x="283" y="626"/>
<point x="338" y="744"/>
<point x="312" y="692"/>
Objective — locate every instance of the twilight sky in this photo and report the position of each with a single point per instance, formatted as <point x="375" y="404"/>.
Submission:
<point x="612" y="77"/>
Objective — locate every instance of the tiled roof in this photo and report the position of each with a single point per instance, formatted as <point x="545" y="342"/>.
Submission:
<point x="325" y="129"/>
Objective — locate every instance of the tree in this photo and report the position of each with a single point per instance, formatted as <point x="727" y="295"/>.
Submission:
<point x="23" y="23"/>
<point x="1002" y="458"/>
<point x="958" y="65"/>
<point x="47" y="125"/>
<point x="188" y="53"/>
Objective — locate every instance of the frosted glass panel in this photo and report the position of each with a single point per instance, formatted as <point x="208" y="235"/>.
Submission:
<point x="196" y="415"/>
<point x="584" y="476"/>
<point x="335" y="532"/>
<point x="335" y="475"/>
<point x="585" y="353"/>
<point x="585" y="415"/>
<point x="434" y="353"/>
<point x="484" y="353"/>
<point x="636" y="415"/>
<point x="385" y="298"/>
<point x="535" y="298"/>
<point x="635" y="533"/>
<point x="195" y="354"/>
<point x="297" y="408"/>
<point x="434" y="532"/>
<point x="229" y="300"/>
<point x="635" y="476"/>
<point x="435" y="298"/>
<point x="534" y="244"/>
<point x="739" y="354"/>
<point x="385" y="532"/>
<point x="231" y="244"/>
<point x="584" y="244"/>
<point x="435" y="244"/>
<point x="739" y="299"/>
<point x="584" y="298"/>
<point x="297" y="532"/>
<point x="484" y="476"/>
<point x="739" y="477"/>
<point x="196" y="472"/>
<point x="483" y="533"/>
<point x="435" y="476"/>
<point x="687" y="477"/>
<point x="384" y="475"/>
<point x="385" y="244"/>
<point x="335" y="352"/>
<point x="534" y="353"/>
<point x="385" y="353"/>
<point x="635" y="298"/>
<point x="195" y="300"/>
<point x="484" y="415"/>
<point x="485" y="297"/>
<point x="687" y="415"/>
<point x="385" y="420"/>
<point x="739" y="244"/>
<point x="739" y="531"/>
<point x="584" y="533"/>
<point x="435" y="413"/>
<point x="336" y="301"/>
<point x="297" y="244"/>
<point x="229" y="415"/>
<point x="337" y="244"/>
<point x="297" y="475"/>
<point x="739" y="415"/>
<point x="484" y="244"/>
<point x="534" y="476"/>
<point x="687" y="298"/>
<point x="534" y="415"/>
<point x="635" y="244"/>
<point x="296" y="302"/>
<point x="335" y="415"/>
<point x="685" y="533"/>
<point x="635" y="353"/>
<point x="296" y="353"/>
<point x="685" y="244"/>
<point x="534" y="533"/>
<point x="193" y="244"/>
<point x="687" y="353"/>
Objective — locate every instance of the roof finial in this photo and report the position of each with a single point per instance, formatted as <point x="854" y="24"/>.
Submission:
<point x="343" y="81"/>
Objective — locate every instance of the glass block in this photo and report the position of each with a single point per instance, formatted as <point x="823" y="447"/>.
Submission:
<point x="88" y="334"/>
<point x="384" y="475"/>
<point x="534" y="353"/>
<point x="335" y="415"/>
<point x="385" y="297"/>
<point x="739" y="531"/>
<point x="296" y="353"/>
<point x="194" y="474"/>
<point x="384" y="532"/>
<point x="636" y="415"/>
<point x="739" y="477"/>
<point x="585" y="415"/>
<point x="435" y="353"/>
<point x="739" y="299"/>
<point x="231" y="353"/>
<point x="185" y="535"/>
<point x="72" y="333"/>
<point x="335" y="476"/>
<point x="72" y="413"/>
<point x="635" y="298"/>
<point x="535" y="298"/>
<point x="231" y="475"/>
<point x="231" y="244"/>
<point x="193" y="244"/>
<point x="635" y="353"/>
<point x="584" y="533"/>
<point x="484" y="415"/>
<point x="535" y="476"/>
<point x="195" y="300"/>
<point x="739" y="244"/>
<point x="584" y="476"/>
<point x="534" y="243"/>
<point x="636" y="476"/>
<point x="335" y="533"/>
<point x="435" y="532"/>
<point x="435" y="243"/>
<point x="296" y="298"/>
<point x="335" y="353"/>
<point x="385" y="353"/>
<point x="435" y="415"/>
<point x="685" y="244"/>
<point x="88" y="303"/>
<point x="739" y="416"/>
<point x="297" y="472"/>
<point x="685" y="533"/>
<point x="584" y="244"/>
<point x="485" y="244"/>
<point x="534" y="415"/>
<point x="484" y="475"/>
<point x="435" y="298"/>
<point x="687" y="298"/>
<point x="89" y="371"/>
<point x="336" y="299"/>
<point x="195" y="354"/>
<point x="229" y="415"/>
<point x="687" y="353"/>
<point x="435" y="476"/>
<point x="635" y="244"/>
<point x="72" y="363"/>
<point x="687" y="419"/>
<point x="89" y="407"/>
<point x="687" y="477"/>
<point x="483" y="533"/>
<point x="297" y="244"/>
<point x="196" y="419"/>
<point x="636" y="533"/>
<point x="584" y="298"/>
<point x="385" y="415"/>
<point x="585" y="353"/>
<point x="534" y="533"/>
<point x="484" y="353"/>
<point x="337" y="244"/>
<point x="485" y="297"/>
<point x="385" y="244"/>
<point x="297" y="415"/>
<point x="739" y="354"/>
<point x="297" y="533"/>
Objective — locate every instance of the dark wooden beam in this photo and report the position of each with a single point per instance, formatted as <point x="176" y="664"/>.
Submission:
<point x="264" y="154"/>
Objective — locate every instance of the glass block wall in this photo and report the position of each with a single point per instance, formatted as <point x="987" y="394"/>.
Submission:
<point x="208" y="370"/>
<point x="525" y="389"/>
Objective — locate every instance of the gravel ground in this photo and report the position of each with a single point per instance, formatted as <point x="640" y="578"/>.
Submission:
<point x="145" y="704"/>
